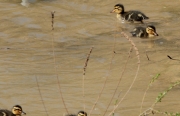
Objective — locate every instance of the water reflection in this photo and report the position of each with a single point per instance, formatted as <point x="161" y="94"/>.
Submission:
<point x="26" y="3"/>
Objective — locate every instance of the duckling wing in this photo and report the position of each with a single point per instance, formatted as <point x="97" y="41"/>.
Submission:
<point x="139" y="32"/>
<point x="135" y="16"/>
<point x="5" y="113"/>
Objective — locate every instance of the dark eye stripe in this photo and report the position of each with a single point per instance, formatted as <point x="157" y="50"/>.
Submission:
<point x="150" y="29"/>
<point x="117" y="8"/>
<point x="17" y="109"/>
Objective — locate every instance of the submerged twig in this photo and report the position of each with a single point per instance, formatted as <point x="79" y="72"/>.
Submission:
<point x="52" y="16"/>
<point x="172" y="58"/>
<point x="147" y="56"/>
<point x="116" y="52"/>
<point x="84" y="72"/>
<point x="169" y="57"/>
<point x="41" y="96"/>
<point x="138" y="57"/>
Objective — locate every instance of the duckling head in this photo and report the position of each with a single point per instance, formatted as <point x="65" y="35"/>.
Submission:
<point x="17" y="110"/>
<point x="82" y="113"/>
<point x="118" y="8"/>
<point x="151" y="30"/>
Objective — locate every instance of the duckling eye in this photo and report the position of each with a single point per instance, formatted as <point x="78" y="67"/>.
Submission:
<point x="17" y="109"/>
<point x="149" y="29"/>
<point x="116" y="8"/>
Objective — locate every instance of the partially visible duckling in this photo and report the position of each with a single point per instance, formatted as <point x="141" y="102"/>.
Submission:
<point x="142" y="32"/>
<point x="16" y="111"/>
<point x="130" y="16"/>
<point x="80" y="113"/>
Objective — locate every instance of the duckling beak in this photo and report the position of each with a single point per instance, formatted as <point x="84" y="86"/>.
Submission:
<point x="155" y="34"/>
<point x="112" y="11"/>
<point x="23" y="113"/>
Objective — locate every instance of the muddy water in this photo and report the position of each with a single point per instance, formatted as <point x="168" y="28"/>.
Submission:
<point x="27" y="58"/>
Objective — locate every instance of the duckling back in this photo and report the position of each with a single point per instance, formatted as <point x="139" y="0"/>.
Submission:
<point x="6" y="113"/>
<point x="134" y="16"/>
<point x="71" y="115"/>
<point x="139" y="32"/>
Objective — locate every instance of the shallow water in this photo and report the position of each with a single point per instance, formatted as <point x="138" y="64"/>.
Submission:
<point x="27" y="44"/>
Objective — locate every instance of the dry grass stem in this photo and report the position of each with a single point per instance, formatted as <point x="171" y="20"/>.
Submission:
<point x="113" y="55"/>
<point x="119" y="80"/>
<point x="137" y="71"/>
<point x="151" y="110"/>
<point x="163" y="94"/>
<point x="84" y="72"/>
<point x="54" y="59"/>
<point x="52" y="21"/>
<point x="41" y="96"/>
<point x="152" y="80"/>
<point x="87" y="59"/>
<point x="147" y="112"/>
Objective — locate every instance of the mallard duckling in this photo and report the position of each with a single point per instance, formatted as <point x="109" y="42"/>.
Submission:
<point x="16" y="111"/>
<point x="130" y="16"/>
<point x="80" y="113"/>
<point x="143" y="32"/>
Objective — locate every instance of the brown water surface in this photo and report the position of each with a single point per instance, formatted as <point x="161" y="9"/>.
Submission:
<point x="26" y="53"/>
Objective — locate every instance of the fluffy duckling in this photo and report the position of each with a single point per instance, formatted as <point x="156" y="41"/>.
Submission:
<point x="16" y="111"/>
<point x="142" y="32"/>
<point x="130" y="16"/>
<point x="80" y="113"/>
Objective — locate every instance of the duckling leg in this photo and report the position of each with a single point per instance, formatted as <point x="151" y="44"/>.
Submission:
<point x="142" y="22"/>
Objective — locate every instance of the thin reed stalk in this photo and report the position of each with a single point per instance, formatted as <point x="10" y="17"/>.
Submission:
<point x="152" y="80"/>
<point x="119" y="80"/>
<point x="84" y="73"/>
<point x="137" y="71"/>
<point x="52" y="21"/>
<point x="41" y="96"/>
<point x="57" y="76"/>
<point x="113" y="55"/>
<point x="54" y="60"/>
